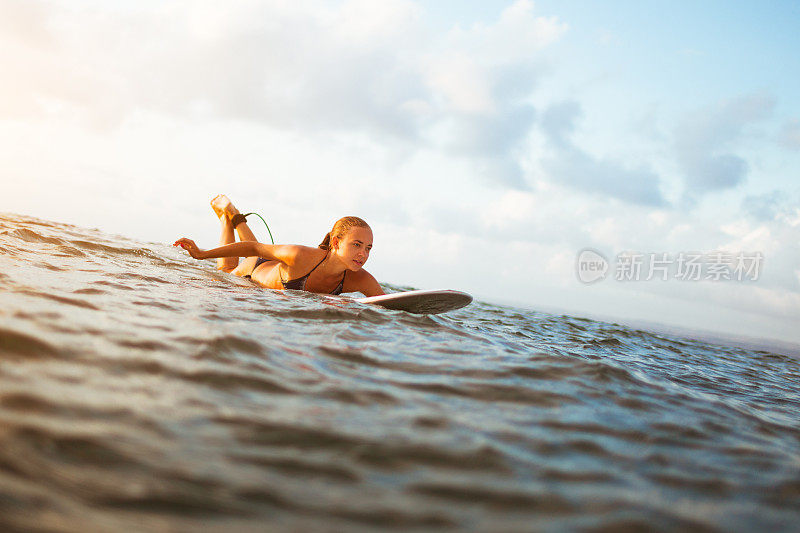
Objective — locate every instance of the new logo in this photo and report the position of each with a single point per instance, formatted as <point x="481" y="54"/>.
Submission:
<point x="591" y="266"/>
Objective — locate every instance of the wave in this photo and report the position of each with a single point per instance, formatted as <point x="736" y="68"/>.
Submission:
<point x="143" y="390"/>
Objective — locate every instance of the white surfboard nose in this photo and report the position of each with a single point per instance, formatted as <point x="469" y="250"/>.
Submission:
<point x="428" y="302"/>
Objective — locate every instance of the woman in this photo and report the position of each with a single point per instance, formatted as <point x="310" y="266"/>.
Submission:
<point x="332" y="268"/>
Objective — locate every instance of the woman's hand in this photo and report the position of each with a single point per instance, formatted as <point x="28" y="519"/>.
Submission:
<point x="190" y="246"/>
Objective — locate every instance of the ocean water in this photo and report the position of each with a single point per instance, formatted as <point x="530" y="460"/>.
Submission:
<point x="142" y="390"/>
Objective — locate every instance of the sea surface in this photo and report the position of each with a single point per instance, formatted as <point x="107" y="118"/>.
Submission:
<point x="141" y="390"/>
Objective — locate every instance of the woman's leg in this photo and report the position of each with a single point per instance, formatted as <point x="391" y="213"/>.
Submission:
<point x="225" y="210"/>
<point x="226" y="237"/>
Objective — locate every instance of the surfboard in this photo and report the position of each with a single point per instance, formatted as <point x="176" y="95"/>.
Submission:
<point x="421" y="302"/>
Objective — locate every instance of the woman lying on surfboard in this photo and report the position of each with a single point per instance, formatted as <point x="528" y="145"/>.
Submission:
<point x="334" y="267"/>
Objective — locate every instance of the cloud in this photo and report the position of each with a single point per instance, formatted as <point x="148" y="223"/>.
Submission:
<point x="705" y="140"/>
<point x="573" y="167"/>
<point x="790" y="135"/>
<point x="23" y="20"/>
<point x="482" y="78"/>
<point x="559" y="122"/>
<point x="777" y="240"/>
<point x="769" y="206"/>
<point x="314" y="67"/>
<point x="491" y="140"/>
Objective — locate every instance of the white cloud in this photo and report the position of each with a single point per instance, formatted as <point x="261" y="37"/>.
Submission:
<point x="513" y="207"/>
<point x="705" y="140"/>
<point x="790" y="134"/>
<point x="462" y="82"/>
<point x="515" y="37"/>
<point x="569" y="165"/>
<point x="314" y="67"/>
<point x="779" y="241"/>
<point x="770" y="206"/>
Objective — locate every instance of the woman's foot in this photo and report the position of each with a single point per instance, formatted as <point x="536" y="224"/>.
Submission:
<point x="222" y="206"/>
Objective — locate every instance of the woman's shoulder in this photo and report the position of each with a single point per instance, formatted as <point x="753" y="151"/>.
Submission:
<point x="360" y="274"/>
<point x="363" y="282"/>
<point x="297" y="253"/>
<point x="308" y="251"/>
<point x="294" y="254"/>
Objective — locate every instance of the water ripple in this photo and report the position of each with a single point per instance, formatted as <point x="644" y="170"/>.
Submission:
<point x="142" y="390"/>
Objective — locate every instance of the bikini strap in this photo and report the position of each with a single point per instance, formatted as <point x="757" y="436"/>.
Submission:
<point x="306" y="276"/>
<point x="318" y="264"/>
<point x="340" y="287"/>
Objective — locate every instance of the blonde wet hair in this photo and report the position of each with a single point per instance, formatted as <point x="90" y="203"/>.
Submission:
<point x="340" y="229"/>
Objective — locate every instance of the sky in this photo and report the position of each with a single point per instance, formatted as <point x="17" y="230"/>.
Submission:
<point x="488" y="143"/>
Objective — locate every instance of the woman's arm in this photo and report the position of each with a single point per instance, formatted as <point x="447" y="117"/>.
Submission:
<point x="367" y="285"/>
<point x="280" y="252"/>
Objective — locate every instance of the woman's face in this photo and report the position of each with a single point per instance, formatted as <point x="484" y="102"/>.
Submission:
<point x="353" y="249"/>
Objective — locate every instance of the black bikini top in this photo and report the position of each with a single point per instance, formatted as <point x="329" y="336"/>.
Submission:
<point x="299" y="284"/>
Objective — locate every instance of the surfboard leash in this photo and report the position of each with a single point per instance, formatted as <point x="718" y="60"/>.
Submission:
<point x="265" y="223"/>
